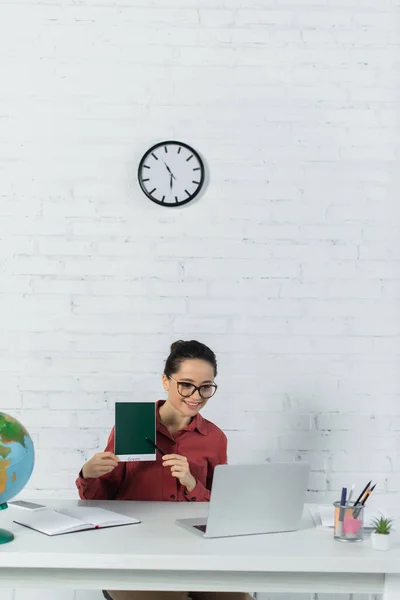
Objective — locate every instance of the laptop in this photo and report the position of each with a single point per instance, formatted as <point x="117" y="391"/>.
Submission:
<point x="253" y="499"/>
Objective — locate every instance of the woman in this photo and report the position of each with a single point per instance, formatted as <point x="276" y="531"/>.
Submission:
<point x="193" y="447"/>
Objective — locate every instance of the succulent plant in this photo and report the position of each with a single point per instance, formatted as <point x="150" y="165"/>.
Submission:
<point x="382" y="525"/>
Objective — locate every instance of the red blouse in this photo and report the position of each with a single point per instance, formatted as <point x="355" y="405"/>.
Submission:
<point x="203" y="444"/>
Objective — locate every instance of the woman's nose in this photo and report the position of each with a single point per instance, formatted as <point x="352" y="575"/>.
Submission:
<point x="196" y="395"/>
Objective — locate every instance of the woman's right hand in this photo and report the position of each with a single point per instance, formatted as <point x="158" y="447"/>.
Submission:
<point x="100" y="464"/>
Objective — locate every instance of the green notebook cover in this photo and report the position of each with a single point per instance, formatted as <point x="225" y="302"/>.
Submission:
<point x="134" y="422"/>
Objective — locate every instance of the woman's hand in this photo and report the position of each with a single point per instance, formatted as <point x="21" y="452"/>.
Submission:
<point x="180" y="469"/>
<point x="100" y="464"/>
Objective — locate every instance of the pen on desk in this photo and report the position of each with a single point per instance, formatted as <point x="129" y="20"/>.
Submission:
<point x="341" y="511"/>
<point x="362" y="493"/>
<point x="155" y="446"/>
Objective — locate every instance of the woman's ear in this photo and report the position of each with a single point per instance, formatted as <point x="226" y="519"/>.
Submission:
<point x="165" y="382"/>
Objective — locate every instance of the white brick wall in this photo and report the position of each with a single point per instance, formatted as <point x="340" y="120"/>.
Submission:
<point x="288" y="266"/>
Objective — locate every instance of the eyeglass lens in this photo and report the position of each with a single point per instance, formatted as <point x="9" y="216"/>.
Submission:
<point x="187" y="389"/>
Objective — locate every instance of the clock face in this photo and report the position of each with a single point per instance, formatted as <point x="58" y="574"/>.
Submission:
<point x="171" y="173"/>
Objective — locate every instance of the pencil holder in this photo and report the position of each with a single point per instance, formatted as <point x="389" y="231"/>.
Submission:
<point x="348" y="522"/>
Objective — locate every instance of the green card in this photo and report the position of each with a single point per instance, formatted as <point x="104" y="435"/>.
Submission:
<point x="134" y="422"/>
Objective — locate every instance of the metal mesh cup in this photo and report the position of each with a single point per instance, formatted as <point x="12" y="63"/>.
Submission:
<point x="348" y="522"/>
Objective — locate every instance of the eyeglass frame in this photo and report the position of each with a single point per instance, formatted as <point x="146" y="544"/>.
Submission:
<point x="196" y="388"/>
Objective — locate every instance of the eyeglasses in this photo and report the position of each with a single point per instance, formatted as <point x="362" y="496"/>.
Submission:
<point x="186" y="389"/>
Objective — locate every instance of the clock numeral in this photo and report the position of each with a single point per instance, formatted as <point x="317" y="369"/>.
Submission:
<point x="146" y="179"/>
<point x="196" y="182"/>
<point x="191" y="156"/>
<point x="146" y="167"/>
<point x="196" y="169"/>
<point x="179" y="149"/>
<point x="156" y="157"/>
<point x="166" y="149"/>
<point x="162" y="199"/>
<point x="176" y="199"/>
<point x="152" y="191"/>
<point x="187" y="192"/>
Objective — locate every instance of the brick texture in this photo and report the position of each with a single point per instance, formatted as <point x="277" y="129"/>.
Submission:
<point x="288" y="265"/>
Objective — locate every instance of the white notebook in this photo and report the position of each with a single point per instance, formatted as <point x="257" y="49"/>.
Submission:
<point x="80" y="518"/>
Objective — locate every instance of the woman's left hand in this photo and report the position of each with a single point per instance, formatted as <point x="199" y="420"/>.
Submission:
<point x="180" y="469"/>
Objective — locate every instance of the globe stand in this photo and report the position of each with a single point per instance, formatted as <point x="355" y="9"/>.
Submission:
<point x="5" y="535"/>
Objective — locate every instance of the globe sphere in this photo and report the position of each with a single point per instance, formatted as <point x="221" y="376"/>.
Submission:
<point x="17" y="457"/>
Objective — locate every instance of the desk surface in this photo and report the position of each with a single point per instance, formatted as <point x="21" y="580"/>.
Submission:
<point x="158" y="540"/>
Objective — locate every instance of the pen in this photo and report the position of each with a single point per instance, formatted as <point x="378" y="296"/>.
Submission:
<point x="362" y="493"/>
<point x="155" y="446"/>
<point x="367" y="495"/>
<point x="341" y="511"/>
<point x="351" y="493"/>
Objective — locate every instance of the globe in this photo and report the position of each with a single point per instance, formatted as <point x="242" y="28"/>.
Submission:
<point x="17" y="457"/>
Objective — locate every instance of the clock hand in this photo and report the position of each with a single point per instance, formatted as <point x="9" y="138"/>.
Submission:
<point x="169" y="170"/>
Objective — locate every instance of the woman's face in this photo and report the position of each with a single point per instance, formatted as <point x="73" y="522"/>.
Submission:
<point x="191" y="372"/>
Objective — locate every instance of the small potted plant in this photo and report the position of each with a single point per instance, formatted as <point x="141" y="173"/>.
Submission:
<point x="380" y="537"/>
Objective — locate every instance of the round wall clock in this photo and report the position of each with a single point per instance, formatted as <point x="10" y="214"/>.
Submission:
<point x="171" y="173"/>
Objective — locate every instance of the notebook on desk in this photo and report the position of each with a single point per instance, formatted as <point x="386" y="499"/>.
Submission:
<point x="80" y="518"/>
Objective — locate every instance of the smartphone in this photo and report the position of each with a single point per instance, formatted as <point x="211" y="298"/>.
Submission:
<point x="26" y="505"/>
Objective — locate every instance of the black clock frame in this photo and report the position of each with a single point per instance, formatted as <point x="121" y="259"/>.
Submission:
<point x="181" y="202"/>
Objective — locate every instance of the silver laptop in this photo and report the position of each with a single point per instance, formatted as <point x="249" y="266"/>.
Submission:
<point x="253" y="499"/>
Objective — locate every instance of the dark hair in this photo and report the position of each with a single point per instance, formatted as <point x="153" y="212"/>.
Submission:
<point x="181" y="351"/>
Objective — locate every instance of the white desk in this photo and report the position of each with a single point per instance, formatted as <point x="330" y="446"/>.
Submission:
<point x="160" y="555"/>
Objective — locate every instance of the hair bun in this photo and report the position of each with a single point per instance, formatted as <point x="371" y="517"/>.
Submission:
<point x="176" y="345"/>
<point x="188" y="350"/>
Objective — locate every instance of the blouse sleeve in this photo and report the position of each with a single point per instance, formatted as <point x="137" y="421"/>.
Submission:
<point x="105" y="487"/>
<point x="202" y="493"/>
